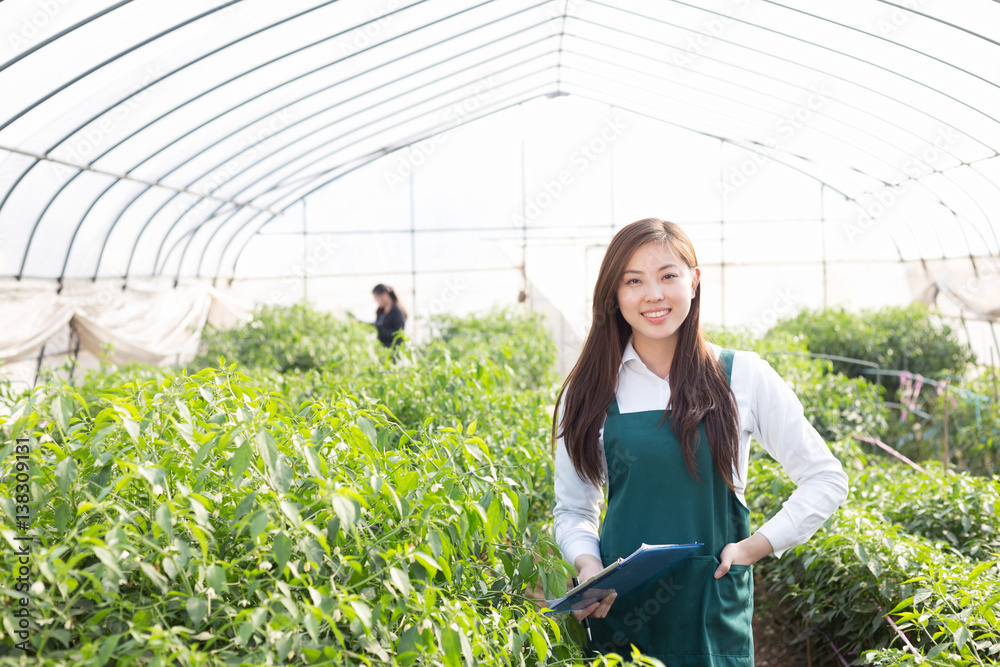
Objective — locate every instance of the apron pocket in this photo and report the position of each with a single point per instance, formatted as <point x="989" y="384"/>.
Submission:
<point x="712" y="615"/>
<point x="729" y="626"/>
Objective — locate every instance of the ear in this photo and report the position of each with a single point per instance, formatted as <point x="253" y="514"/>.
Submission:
<point x="695" y="279"/>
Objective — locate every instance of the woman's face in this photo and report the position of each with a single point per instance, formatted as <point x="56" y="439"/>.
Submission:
<point x="382" y="299"/>
<point x="655" y="293"/>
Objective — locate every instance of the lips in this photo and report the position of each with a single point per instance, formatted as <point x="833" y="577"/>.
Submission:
<point x="656" y="314"/>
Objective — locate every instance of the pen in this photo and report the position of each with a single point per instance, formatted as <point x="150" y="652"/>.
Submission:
<point x="585" y="621"/>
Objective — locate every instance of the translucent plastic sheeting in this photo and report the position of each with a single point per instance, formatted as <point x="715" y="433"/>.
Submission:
<point x="312" y="148"/>
<point x="196" y="126"/>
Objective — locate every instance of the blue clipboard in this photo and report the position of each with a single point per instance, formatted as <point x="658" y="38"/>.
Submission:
<point x="623" y="576"/>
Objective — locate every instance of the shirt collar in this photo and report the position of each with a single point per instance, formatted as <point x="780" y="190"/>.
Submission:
<point x="629" y="354"/>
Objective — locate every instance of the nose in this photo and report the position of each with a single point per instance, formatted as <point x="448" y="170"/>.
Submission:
<point x="654" y="292"/>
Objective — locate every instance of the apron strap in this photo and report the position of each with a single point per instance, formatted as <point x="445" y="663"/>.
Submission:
<point x="726" y="359"/>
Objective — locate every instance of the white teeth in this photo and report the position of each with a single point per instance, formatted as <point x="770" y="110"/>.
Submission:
<point x="656" y="313"/>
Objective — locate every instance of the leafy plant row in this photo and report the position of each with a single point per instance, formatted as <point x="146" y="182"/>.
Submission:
<point x="898" y="547"/>
<point x="231" y="518"/>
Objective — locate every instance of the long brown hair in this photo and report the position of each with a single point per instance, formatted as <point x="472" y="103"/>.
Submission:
<point x="384" y="289"/>
<point x="698" y="386"/>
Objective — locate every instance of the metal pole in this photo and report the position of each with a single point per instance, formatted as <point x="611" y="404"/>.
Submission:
<point x="946" y="453"/>
<point x="413" y="246"/>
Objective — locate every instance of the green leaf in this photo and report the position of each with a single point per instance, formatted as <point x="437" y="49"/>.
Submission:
<point x="291" y="511"/>
<point x="203" y="453"/>
<point x="62" y="410"/>
<point x="494" y="518"/>
<point x="241" y="459"/>
<point x="936" y="651"/>
<point x="258" y="522"/>
<point x="245" y="506"/>
<point x="197" y="609"/>
<point x="216" y="577"/>
<point x="155" y="577"/>
<point x="347" y="511"/>
<point x="62" y="517"/>
<point x="368" y="428"/>
<point x="363" y="612"/>
<point x="268" y="449"/>
<point x="132" y="428"/>
<point x="540" y="644"/>
<point x="154" y="475"/>
<point x="428" y="561"/>
<point x="978" y="570"/>
<point x="109" y="560"/>
<point x="65" y="474"/>
<point x="282" y="551"/>
<point x="962" y="635"/>
<point x="401" y="580"/>
<point x="316" y="465"/>
<point x="408" y="646"/>
<point x="108" y="647"/>
<point x="163" y="520"/>
<point x="451" y="646"/>
<point x="281" y="475"/>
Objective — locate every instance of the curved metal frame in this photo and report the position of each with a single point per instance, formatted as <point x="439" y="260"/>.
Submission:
<point x="286" y="82"/>
<point x="365" y="138"/>
<point x="564" y="18"/>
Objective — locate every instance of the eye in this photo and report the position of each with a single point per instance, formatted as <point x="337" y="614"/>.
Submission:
<point x="670" y="275"/>
<point x="632" y="281"/>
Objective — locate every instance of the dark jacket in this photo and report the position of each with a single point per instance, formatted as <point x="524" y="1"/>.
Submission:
<point x="388" y="323"/>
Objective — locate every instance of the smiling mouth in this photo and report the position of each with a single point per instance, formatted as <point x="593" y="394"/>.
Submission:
<point x="654" y="314"/>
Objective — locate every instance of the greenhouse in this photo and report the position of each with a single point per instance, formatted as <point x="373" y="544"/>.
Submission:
<point x="210" y="458"/>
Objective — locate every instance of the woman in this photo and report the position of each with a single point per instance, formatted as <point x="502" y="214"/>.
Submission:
<point x="390" y="316"/>
<point x="634" y="414"/>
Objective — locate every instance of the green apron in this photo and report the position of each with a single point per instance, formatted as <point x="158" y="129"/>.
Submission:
<point x="687" y="618"/>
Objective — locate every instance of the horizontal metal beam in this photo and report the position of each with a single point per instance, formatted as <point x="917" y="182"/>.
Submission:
<point x="133" y="179"/>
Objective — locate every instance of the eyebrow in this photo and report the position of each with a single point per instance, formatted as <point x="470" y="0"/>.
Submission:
<point x="665" y="266"/>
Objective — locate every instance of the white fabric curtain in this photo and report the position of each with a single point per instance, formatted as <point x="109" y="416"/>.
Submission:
<point x="144" y="323"/>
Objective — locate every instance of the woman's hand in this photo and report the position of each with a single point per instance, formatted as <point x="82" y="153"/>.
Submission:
<point x="744" y="552"/>
<point x="587" y="567"/>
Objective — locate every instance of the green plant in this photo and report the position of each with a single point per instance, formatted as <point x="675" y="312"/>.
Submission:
<point x="344" y="513"/>
<point x="899" y="546"/>
<point x="284" y="338"/>
<point x="837" y="406"/>
<point x="895" y="338"/>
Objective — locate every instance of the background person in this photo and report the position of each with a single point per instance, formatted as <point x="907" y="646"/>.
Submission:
<point x="390" y="316"/>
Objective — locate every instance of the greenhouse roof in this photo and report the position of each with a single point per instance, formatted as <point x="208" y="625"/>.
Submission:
<point x="147" y="138"/>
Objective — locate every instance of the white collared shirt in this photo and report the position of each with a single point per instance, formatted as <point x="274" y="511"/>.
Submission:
<point x="769" y="412"/>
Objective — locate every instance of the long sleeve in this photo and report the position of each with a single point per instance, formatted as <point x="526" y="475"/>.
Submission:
<point x="578" y="508"/>
<point x="783" y="430"/>
<point x="389" y="324"/>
